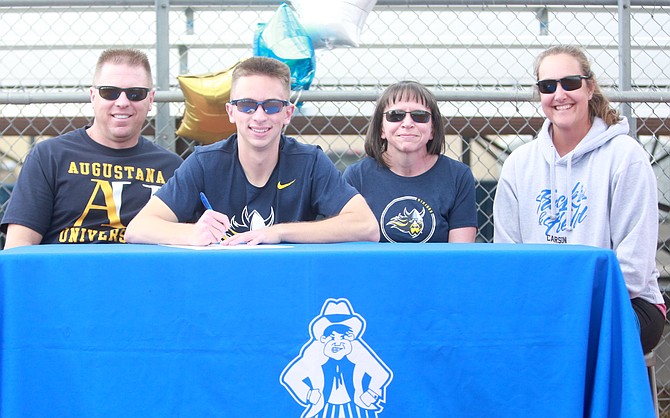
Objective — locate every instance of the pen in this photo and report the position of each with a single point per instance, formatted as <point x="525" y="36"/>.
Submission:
<point x="207" y="205"/>
<point x="205" y="202"/>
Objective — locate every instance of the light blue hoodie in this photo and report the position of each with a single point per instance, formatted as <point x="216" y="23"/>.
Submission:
<point x="603" y="193"/>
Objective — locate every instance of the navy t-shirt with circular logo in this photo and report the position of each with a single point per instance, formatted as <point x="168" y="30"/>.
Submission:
<point x="417" y="209"/>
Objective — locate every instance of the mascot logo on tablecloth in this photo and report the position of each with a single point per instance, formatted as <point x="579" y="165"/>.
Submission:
<point x="337" y="374"/>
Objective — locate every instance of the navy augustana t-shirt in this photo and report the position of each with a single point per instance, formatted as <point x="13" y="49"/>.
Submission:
<point x="73" y="190"/>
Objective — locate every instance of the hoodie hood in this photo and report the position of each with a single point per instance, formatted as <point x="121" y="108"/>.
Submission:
<point x="597" y="136"/>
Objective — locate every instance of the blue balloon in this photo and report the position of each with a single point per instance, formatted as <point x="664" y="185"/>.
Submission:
<point x="285" y="39"/>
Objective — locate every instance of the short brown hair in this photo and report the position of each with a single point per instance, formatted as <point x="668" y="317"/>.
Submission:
<point x="269" y="67"/>
<point x="375" y="146"/>
<point x="131" y="57"/>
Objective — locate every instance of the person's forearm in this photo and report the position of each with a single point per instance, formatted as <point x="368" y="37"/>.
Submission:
<point x="21" y="236"/>
<point x="13" y="243"/>
<point x="154" y="230"/>
<point x="341" y="228"/>
<point x="465" y="234"/>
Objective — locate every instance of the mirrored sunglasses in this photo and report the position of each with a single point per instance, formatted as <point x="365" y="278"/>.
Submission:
<point x="418" y="116"/>
<point x="249" y="106"/>
<point x="569" y="83"/>
<point x="134" y="94"/>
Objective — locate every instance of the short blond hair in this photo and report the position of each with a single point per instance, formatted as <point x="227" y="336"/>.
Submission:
<point x="131" y="57"/>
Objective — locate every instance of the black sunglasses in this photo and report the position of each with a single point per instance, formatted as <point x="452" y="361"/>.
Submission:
<point x="569" y="83"/>
<point x="134" y="94"/>
<point x="418" y="116"/>
<point x="249" y="106"/>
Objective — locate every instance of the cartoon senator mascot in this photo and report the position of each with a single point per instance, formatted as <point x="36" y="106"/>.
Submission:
<point x="337" y="374"/>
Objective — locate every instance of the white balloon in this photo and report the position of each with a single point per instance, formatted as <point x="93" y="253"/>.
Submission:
<point x="333" y="23"/>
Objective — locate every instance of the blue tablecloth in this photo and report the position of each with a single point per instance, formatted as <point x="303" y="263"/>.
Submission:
<point x="434" y="330"/>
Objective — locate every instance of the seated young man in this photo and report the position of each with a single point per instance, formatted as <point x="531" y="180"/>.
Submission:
<point x="262" y="186"/>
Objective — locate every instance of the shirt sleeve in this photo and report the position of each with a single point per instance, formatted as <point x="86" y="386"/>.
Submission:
<point x="506" y="227"/>
<point x="464" y="212"/>
<point x="181" y="192"/>
<point x="32" y="200"/>
<point x="331" y="192"/>
<point x="634" y="223"/>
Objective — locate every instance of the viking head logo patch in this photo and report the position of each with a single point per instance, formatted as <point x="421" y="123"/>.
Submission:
<point x="408" y="222"/>
<point x="407" y="219"/>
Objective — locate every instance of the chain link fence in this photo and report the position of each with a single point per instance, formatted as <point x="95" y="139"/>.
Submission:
<point x="477" y="57"/>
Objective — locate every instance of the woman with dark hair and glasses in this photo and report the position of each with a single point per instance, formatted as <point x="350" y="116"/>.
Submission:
<point x="584" y="180"/>
<point x="416" y="193"/>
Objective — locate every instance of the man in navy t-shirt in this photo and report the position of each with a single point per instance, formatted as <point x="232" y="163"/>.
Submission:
<point x="86" y="185"/>
<point x="257" y="186"/>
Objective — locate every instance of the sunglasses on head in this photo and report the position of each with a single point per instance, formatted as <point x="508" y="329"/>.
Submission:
<point x="134" y="94"/>
<point x="569" y="83"/>
<point x="249" y="106"/>
<point x="418" y="116"/>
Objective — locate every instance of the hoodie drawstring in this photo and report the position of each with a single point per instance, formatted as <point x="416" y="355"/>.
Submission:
<point x="553" y="207"/>
<point x="554" y="203"/>
<point x="568" y="190"/>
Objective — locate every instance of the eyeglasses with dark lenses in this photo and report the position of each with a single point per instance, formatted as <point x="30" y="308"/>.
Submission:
<point x="134" y="94"/>
<point x="569" y="83"/>
<point x="249" y="106"/>
<point x="418" y="116"/>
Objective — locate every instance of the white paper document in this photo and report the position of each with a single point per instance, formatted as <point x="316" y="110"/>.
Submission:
<point x="240" y="247"/>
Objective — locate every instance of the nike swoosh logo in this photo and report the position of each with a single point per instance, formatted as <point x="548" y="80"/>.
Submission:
<point x="281" y="186"/>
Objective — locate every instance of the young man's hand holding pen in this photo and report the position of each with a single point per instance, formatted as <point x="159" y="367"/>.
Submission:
<point x="212" y="224"/>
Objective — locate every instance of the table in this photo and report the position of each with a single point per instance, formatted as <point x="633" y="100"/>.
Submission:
<point x="430" y="330"/>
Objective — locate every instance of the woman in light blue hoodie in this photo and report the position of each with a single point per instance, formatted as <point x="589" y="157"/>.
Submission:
<point x="584" y="180"/>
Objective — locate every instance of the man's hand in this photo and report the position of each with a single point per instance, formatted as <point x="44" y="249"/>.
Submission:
<point x="313" y="396"/>
<point x="267" y="235"/>
<point x="211" y="228"/>
<point x="369" y="397"/>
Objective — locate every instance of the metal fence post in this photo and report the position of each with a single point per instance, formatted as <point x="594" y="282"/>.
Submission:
<point x="625" y="62"/>
<point x="165" y="129"/>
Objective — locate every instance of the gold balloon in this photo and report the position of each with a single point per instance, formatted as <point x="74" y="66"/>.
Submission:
<point x="205" y="118"/>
